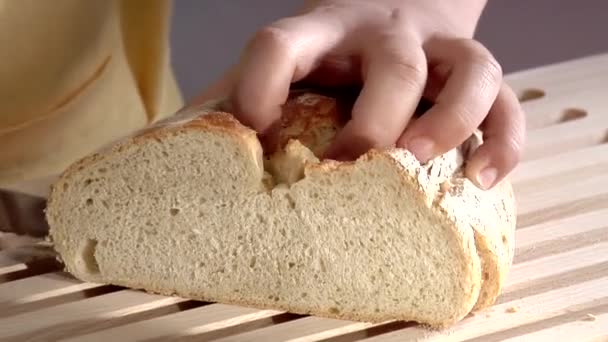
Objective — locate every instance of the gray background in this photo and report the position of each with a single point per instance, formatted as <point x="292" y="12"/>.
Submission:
<point x="208" y="35"/>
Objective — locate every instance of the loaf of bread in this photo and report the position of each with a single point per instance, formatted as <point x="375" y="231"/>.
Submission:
<point x="193" y="207"/>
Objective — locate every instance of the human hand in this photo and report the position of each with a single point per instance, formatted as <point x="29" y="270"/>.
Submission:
<point x="399" y="50"/>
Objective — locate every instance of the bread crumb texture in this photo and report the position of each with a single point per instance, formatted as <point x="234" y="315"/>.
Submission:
<point x="193" y="207"/>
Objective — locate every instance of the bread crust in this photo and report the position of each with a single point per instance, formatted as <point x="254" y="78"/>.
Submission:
<point x="483" y="222"/>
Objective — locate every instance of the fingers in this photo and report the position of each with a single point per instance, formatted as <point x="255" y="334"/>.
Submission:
<point x="472" y="85"/>
<point x="394" y="79"/>
<point x="464" y="84"/>
<point x="504" y="136"/>
<point x="283" y="52"/>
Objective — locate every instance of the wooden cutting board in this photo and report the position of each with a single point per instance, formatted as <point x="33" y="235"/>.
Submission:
<point x="556" y="291"/>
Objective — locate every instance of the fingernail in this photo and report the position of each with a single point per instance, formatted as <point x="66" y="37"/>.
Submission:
<point x="486" y="177"/>
<point x="422" y="148"/>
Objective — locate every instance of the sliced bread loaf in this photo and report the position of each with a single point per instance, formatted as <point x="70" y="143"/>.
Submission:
<point x="193" y="207"/>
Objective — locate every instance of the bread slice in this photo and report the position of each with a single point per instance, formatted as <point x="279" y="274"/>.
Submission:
<point x="193" y="207"/>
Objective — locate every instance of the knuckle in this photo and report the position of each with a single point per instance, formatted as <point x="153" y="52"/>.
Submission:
<point x="274" y="37"/>
<point x="513" y="149"/>
<point x="512" y="138"/>
<point x="508" y="157"/>
<point x="408" y="70"/>
<point x="408" y="65"/>
<point x="507" y="151"/>
<point x="483" y="58"/>
<point x="492" y="71"/>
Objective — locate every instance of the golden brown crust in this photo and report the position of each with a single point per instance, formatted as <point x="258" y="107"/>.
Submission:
<point x="193" y="118"/>
<point x="311" y="119"/>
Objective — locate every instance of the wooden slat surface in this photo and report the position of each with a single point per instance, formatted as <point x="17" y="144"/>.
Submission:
<point x="81" y="316"/>
<point x="499" y="322"/>
<point x="193" y="323"/>
<point x="9" y="264"/>
<point x="584" y="327"/>
<point x="557" y="289"/>
<point x="311" y="327"/>
<point x="39" y="291"/>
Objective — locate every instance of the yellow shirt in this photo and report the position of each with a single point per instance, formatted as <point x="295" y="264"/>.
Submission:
<point x="75" y="75"/>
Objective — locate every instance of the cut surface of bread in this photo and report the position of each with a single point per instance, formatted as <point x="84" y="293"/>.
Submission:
<point x="193" y="207"/>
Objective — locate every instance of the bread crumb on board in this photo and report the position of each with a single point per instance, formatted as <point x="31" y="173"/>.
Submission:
<point x="589" y="318"/>
<point x="512" y="309"/>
